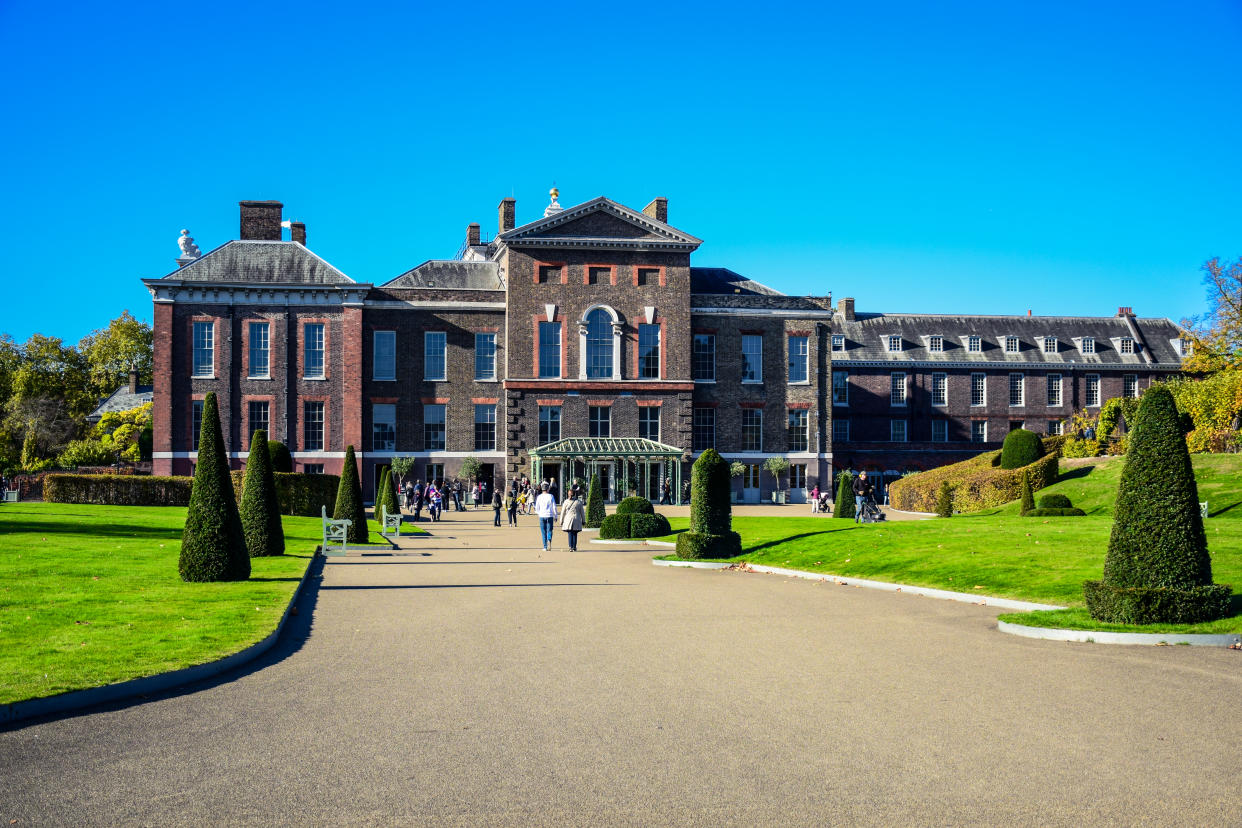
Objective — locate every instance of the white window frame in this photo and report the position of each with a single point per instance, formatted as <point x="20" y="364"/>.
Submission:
<point x="1055" y="391"/>
<point x="804" y="355"/>
<point x="803" y="431"/>
<point x="251" y="327"/>
<point x="751" y="414"/>
<point x="845" y="388"/>
<point x="482" y="336"/>
<point x="978" y="431"/>
<point x="376" y="410"/>
<point x="606" y="420"/>
<point x="1130" y="383"/>
<point x="898" y="389"/>
<point x="758" y="355"/>
<point x="983" y="390"/>
<point x="694" y="355"/>
<point x="1092" y="384"/>
<point x="429" y="349"/>
<point x="616" y="343"/>
<point x="320" y="330"/>
<point x="974" y="344"/>
<point x="1126" y="345"/>
<point x="1088" y="345"/>
<point x="940" y="384"/>
<point x="838" y="343"/>
<point x="935" y="344"/>
<point x="375" y="354"/>
<point x="443" y="422"/>
<point x="892" y="340"/>
<point x="1021" y="388"/>
<point x="1015" y="342"/>
<point x="1050" y="345"/>
<point x="205" y="345"/>
<point x="898" y="431"/>
<point x="557" y="327"/>
<point x="646" y="410"/>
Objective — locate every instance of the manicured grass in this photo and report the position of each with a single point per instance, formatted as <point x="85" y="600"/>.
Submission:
<point x="90" y="595"/>
<point x="1079" y="619"/>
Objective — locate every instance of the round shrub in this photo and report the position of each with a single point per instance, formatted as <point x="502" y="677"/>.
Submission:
<point x="615" y="527"/>
<point x="282" y="460"/>
<point x="844" y="507"/>
<point x="635" y="506"/>
<point x="1055" y="501"/>
<point x="1067" y="511"/>
<point x="649" y="526"/>
<point x="1021" y="448"/>
<point x="260" y="507"/>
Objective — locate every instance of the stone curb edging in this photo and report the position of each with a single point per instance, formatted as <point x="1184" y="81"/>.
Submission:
<point x="145" y="685"/>
<point x="693" y="564"/>
<point x="1102" y="637"/>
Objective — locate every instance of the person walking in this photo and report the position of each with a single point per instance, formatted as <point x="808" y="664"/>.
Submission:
<point x="571" y="519"/>
<point x="685" y="493"/>
<point x="418" y="499"/>
<point x="815" y="499"/>
<point x="863" y="494"/>
<point x="497" y="503"/>
<point x="435" y="501"/>
<point x="554" y="490"/>
<point x="545" y="508"/>
<point x="457" y="492"/>
<point x="666" y="493"/>
<point x="511" y="506"/>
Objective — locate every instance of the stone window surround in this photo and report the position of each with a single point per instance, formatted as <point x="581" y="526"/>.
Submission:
<point x="539" y="266"/>
<point x="617" y="332"/>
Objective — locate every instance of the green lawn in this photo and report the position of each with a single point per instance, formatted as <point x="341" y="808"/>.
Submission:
<point x="995" y="552"/>
<point x="90" y="595"/>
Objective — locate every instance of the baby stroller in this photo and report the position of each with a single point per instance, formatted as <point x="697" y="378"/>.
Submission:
<point x="825" y="505"/>
<point x="868" y="512"/>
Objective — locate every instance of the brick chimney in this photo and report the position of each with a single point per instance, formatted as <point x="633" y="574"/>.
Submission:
<point x="260" y="220"/>
<point x="472" y="233"/>
<point x="845" y="307"/>
<point x="133" y="380"/>
<point x="658" y="209"/>
<point x="297" y="231"/>
<point x="1124" y="311"/>
<point x="508" y="214"/>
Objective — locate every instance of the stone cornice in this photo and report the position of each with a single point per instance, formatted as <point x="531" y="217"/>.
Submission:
<point x="168" y="291"/>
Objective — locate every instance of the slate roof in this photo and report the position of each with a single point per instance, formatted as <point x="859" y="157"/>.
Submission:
<point x="121" y="400"/>
<point x="866" y="339"/>
<point x="450" y="274"/>
<point x="725" y="281"/>
<point x="261" y="262"/>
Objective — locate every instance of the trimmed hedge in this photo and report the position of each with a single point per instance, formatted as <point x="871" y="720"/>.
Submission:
<point x="349" y="500"/>
<point x="635" y="506"/>
<point x="693" y="546"/>
<point x="844" y="506"/>
<point x="595" y="511"/>
<point x="1059" y="511"/>
<point x="117" y="490"/>
<point x="300" y="494"/>
<point x="213" y="545"/>
<point x="1055" y="501"/>
<point x="944" y="500"/>
<point x="282" y="460"/>
<point x="977" y="484"/>
<point x="1137" y="605"/>
<point x="649" y="526"/>
<point x="711" y="515"/>
<point x="1028" y="496"/>
<point x="615" y="527"/>
<point x="258" y="507"/>
<point x="1021" y="448"/>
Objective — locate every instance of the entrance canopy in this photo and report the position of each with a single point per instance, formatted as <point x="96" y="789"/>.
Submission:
<point x="597" y="451"/>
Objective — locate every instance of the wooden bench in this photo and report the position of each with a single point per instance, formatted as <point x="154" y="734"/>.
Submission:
<point x="334" y="530"/>
<point x="389" y="524"/>
<point x="1203" y="509"/>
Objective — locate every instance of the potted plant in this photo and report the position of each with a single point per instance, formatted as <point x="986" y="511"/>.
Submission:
<point x="777" y="466"/>
<point x="736" y="469"/>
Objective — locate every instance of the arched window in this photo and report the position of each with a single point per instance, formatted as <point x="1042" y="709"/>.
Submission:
<point x="599" y="345"/>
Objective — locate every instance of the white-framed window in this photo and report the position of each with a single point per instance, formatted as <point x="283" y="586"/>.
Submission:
<point x="204" y="349"/>
<point x="383" y="427"/>
<point x="703" y="359"/>
<point x="312" y="426"/>
<point x="1093" y="390"/>
<point x="485" y="356"/>
<point x="384" y="366"/>
<point x="894" y="344"/>
<point x="978" y="431"/>
<point x="312" y="468"/>
<point x="703" y="429"/>
<point x="600" y="345"/>
<point x="840" y="431"/>
<point x="1129" y="385"/>
<point x="799" y="357"/>
<point x="259" y="417"/>
<point x="260" y="351"/>
<point x="935" y="344"/>
<point x="897" y="431"/>
<point x="974" y="343"/>
<point x="649" y="422"/>
<point x="940" y="431"/>
<point x="1011" y="345"/>
<point x="978" y="389"/>
<point x="549" y="424"/>
<point x="1088" y="345"/>
<point x="797" y="475"/>
<point x="196" y="423"/>
<point x="1050" y="344"/>
<point x="752" y="358"/>
<point x="313" y="362"/>
<point x="940" y="389"/>
<point x="549" y="350"/>
<point x="797" y="429"/>
<point x="1017" y="390"/>
<point x="434" y="426"/>
<point x="1127" y="345"/>
<point x="484" y="427"/>
<point x="435" y="357"/>
<point x="1056" y="427"/>
<point x="1054" y="390"/>
<point x="648" y="351"/>
<point x="840" y="387"/>
<point x="838" y="343"/>
<point x="599" y="421"/>
<point x="897" y="388"/>
<point x="752" y="429"/>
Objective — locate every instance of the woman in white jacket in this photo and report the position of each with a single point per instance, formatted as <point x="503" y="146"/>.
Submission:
<point x="572" y="516"/>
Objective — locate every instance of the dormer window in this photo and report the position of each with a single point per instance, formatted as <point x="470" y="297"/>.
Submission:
<point x="838" y="343"/>
<point x="1050" y="344"/>
<point x="974" y="343"/>
<point x="1127" y="345"/>
<point x="894" y="344"/>
<point x="1011" y="344"/>
<point x="1188" y="347"/>
<point x="1088" y="345"/>
<point x="935" y="344"/>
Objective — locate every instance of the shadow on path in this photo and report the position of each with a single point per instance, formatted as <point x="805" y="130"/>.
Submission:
<point x="464" y="586"/>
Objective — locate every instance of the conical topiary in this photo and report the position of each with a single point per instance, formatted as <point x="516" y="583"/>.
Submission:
<point x="1028" y="496"/>
<point x="944" y="499"/>
<point x="260" y="508"/>
<point x="385" y="497"/>
<point x="711" y="532"/>
<point x="282" y="460"/>
<point x="349" y="500"/>
<point x="595" y="512"/>
<point x="213" y="546"/>
<point x="1157" y="569"/>
<point x="844" y="507"/>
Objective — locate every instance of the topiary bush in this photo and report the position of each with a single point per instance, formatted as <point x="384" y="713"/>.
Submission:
<point x="844" y="507"/>
<point x="282" y="460"/>
<point x="1055" y="501"/>
<point x="213" y="547"/>
<point x="595" y="512"/>
<point x="649" y="526"/>
<point x="1028" y="496"/>
<point x="349" y="500"/>
<point x="1157" y="569"/>
<point x="385" y="497"/>
<point x="1021" y="448"/>
<point x="259" y="509"/>
<point x="635" y="506"/>
<point x="944" y="500"/>
<point x="1054" y="512"/>
<point x="711" y="517"/>
<point x="615" y="527"/>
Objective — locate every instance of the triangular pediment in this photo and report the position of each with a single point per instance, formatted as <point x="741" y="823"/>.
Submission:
<point x="600" y="223"/>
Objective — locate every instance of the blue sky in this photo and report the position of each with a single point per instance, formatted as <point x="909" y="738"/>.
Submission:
<point x="1065" y="158"/>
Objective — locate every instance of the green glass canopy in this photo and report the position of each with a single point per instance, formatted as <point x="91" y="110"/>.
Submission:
<point x="599" y="448"/>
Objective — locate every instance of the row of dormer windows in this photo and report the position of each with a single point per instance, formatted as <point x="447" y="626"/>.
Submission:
<point x="973" y="343"/>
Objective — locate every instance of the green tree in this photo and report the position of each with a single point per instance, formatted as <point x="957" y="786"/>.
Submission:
<point x="349" y="500"/>
<point x="471" y="468"/>
<point x="595" y="511"/>
<point x="1216" y="336"/>
<point x="402" y="467"/>
<point x="1157" y="569"/>
<point x="119" y="431"/>
<point x="50" y="391"/>
<point x="111" y="352"/>
<point x="260" y="508"/>
<point x="213" y="545"/>
<point x="844" y="506"/>
<point x="711" y="532"/>
<point x="776" y="466"/>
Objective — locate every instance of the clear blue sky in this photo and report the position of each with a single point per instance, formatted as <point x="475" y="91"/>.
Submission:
<point x="991" y="157"/>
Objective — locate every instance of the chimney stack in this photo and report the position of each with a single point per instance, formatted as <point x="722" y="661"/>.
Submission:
<point x="1125" y="311"/>
<point x="297" y="231"/>
<point x="133" y="379"/>
<point x="472" y="233"/>
<point x="508" y="214"/>
<point x="657" y="209"/>
<point x="260" y="220"/>
<point x="845" y="307"/>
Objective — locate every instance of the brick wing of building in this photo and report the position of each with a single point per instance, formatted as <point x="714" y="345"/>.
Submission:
<point x="585" y="342"/>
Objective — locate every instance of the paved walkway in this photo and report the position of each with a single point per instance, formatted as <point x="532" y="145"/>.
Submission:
<point x="467" y="680"/>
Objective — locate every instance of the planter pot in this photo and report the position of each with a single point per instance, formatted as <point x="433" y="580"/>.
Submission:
<point x="778" y="497"/>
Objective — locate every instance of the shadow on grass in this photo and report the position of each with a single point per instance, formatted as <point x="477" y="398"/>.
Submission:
<point x="110" y="530"/>
<point x="1219" y="512"/>
<point x="750" y="550"/>
<point x="1075" y="473"/>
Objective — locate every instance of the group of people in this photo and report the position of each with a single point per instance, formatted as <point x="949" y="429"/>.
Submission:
<point x="435" y="496"/>
<point x="864" y="500"/>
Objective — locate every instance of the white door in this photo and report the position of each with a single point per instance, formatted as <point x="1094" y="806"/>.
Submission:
<point x="750" y="484"/>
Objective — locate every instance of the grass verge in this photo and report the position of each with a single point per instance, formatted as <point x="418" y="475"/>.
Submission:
<point x="1078" y="618"/>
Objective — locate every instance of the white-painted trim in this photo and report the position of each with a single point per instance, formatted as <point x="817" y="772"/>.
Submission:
<point x="778" y="313"/>
<point x="434" y="455"/>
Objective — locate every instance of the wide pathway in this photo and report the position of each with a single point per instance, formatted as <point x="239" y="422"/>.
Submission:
<point x="469" y="679"/>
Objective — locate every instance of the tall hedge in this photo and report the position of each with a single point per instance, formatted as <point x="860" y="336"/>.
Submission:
<point x="259" y="509"/>
<point x="711" y="516"/>
<point x="1021" y="448"/>
<point x="595" y="512"/>
<point x="844" y="507"/>
<point x="213" y="546"/>
<point x="978" y="483"/>
<point x="349" y="500"/>
<point x="282" y="460"/>
<point x="1157" y="569"/>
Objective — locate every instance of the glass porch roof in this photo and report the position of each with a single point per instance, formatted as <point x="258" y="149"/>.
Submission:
<point x="604" y="447"/>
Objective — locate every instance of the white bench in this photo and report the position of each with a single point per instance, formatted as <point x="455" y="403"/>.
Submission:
<point x="1203" y="510"/>
<point x="334" y="530"/>
<point x="10" y="495"/>
<point x="389" y="524"/>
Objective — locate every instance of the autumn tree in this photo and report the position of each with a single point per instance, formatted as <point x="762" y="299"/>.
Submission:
<point x="1216" y="336"/>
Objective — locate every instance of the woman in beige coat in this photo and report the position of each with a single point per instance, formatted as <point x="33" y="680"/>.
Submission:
<point x="572" y="516"/>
